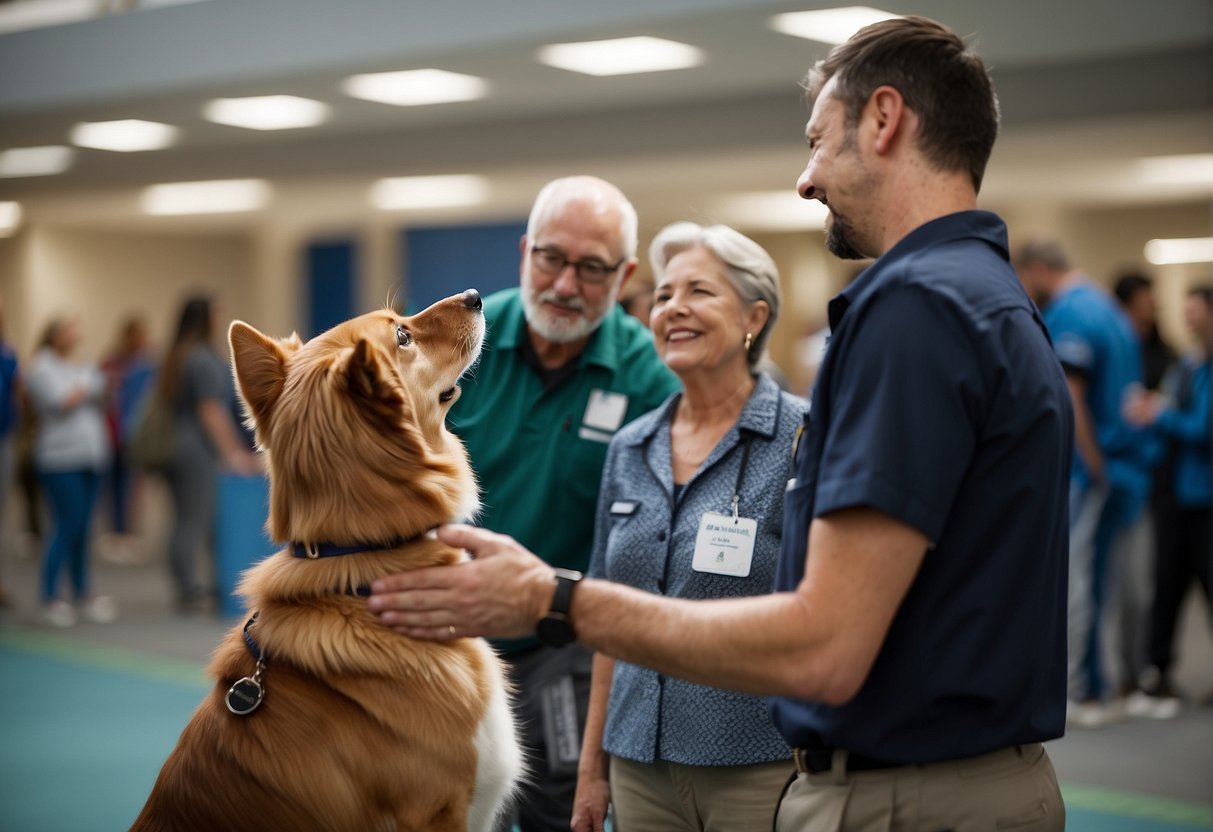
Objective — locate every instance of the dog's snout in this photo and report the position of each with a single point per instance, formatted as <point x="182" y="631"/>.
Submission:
<point x="471" y="299"/>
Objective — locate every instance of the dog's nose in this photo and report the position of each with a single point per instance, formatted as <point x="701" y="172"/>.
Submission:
<point x="471" y="299"/>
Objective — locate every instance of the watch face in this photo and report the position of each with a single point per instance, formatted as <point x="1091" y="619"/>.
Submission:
<point x="555" y="631"/>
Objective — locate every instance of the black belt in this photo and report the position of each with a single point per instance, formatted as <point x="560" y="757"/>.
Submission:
<point x="818" y="760"/>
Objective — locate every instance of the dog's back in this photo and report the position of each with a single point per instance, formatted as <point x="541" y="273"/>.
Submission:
<point x="357" y="728"/>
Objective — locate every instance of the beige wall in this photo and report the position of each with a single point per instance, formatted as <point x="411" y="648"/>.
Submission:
<point x="102" y="277"/>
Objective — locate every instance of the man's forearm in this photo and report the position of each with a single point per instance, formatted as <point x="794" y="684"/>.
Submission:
<point x="753" y="645"/>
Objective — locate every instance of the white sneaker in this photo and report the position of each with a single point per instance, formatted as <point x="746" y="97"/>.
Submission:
<point x="1153" y="706"/>
<point x="1094" y="714"/>
<point x="59" y="614"/>
<point x="100" y="609"/>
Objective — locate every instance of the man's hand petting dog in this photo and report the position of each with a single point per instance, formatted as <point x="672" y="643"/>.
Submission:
<point x="502" y="591"/>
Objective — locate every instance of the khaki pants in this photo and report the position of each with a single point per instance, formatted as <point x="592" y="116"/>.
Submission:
<point x="668" y="797"/>
<point x="1014" y="789"/>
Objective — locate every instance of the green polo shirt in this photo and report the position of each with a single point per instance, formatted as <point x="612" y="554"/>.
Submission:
<point x="538" y="454"/>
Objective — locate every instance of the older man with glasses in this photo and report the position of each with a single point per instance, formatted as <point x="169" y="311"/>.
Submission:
<point x="563" y="368"/>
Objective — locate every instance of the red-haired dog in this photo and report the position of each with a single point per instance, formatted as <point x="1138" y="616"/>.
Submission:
<point x="321" y="717"/>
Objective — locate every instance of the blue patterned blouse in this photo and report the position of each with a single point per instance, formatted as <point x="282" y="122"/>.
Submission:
<point x="645" y="537"/>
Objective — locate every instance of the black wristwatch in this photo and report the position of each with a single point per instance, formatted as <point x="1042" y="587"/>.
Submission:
<point x="555" y="629"/>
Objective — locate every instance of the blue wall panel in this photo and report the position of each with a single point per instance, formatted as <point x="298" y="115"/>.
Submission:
<point x="444" y="260"/>
<point x="331" y="278"/>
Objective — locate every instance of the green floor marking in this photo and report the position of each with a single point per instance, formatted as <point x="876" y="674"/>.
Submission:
<point x="116" y="659"/>
<point x="1144" y="807"/>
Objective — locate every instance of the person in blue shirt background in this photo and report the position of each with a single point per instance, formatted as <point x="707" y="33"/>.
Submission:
<point x="1110" y="479"/>
<point x="130" y="373"/>
<point x="10" y="378"/>
<point x="1180" y="414"/>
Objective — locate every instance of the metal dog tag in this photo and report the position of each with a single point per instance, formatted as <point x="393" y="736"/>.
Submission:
<point x="246" y="695"/>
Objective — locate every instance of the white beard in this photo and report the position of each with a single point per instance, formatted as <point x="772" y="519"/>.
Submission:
<point x="557" y="329"/>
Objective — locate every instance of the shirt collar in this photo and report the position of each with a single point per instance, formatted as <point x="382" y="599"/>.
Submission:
<point x="759" y="415"/>
<point x="981" y="225"/>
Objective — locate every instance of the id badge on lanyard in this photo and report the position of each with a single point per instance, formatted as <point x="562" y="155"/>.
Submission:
<point x="725" y="545"/>
<point x="725" y="542"/>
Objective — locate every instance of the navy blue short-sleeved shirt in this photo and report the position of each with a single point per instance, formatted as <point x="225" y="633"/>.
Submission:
<point x="941" y="403"/>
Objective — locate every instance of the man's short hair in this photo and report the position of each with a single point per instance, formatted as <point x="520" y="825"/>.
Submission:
<point x="559" y="192"/>
<point x="1128" y="285"/>
<point x="1046" y="252"/>
<point x="940" y="79"/>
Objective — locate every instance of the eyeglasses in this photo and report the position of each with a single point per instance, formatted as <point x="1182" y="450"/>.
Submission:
<point x="591" y="270"/>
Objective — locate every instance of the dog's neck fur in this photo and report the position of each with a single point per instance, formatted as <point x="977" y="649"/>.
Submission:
<point x="326" y="487"/>
<point x="380" y="508"/>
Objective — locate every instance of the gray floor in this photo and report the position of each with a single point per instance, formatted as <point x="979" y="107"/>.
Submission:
<point x="1170" y="759"/>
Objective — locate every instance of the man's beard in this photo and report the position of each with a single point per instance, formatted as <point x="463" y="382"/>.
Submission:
<point x="838" y="242"/>
<point x="560" y="330"/>
<point x="839" y="237"/>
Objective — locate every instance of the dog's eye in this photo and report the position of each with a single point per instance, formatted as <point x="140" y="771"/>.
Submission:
<point x="403" y="337"/>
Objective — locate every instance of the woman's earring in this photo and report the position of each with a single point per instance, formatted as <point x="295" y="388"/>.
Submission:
<point x="749" y="339"/>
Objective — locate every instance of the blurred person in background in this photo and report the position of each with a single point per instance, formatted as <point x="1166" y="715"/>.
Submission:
<point x="10" y="380"/>
<point x="636" y="298"/>
<point x="193" y="380"/>
<point x="1101" y="356"/>
<point x="29" y="539"/>
<point x="1135" y="293"/>
<point x="129" y="372"/>
<point x="71" y="452"/>
<point x="1179" y="414"/>
<point x="693" y="757"/>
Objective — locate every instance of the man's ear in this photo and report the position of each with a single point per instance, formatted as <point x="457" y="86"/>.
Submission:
<point x="259" y="363"/>
<point x="628" y="270"/>
<point x="891" y="118"/>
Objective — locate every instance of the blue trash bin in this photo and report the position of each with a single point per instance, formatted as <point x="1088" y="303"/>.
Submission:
<point x="240" y="538"/>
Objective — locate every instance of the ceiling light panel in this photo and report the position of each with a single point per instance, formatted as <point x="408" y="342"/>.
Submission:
<point x="35" y="161"/>
<point x="1179" y="250"/>
<point x="416" y="87"/>
<point x="828" y="25"/>
<point x="125" y="136"/>
<point x="219" y="196"/>
<point x="416" y="192"/>
<point x="267" y="112"/>
<point x="621" y="56"/>
<point x="1192" y="169"/>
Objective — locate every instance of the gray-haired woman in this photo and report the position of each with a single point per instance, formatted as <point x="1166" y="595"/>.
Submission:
<point x="691" y="506"/>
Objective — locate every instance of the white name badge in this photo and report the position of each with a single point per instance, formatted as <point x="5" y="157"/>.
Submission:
<point x="605" y="410"/>
<point x="724" y="545"/>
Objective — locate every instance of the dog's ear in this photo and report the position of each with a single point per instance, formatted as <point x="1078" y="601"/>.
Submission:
<point x="373" y="382"/>
<point x="260" y="367"/>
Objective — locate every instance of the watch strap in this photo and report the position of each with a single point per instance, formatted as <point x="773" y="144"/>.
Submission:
<point x="566" y="581"/>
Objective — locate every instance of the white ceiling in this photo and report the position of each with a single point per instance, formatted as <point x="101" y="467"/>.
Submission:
<point x="1087" y="88"/>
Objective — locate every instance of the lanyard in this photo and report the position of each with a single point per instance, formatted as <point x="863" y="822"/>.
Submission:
<point x="745" y="458"/>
